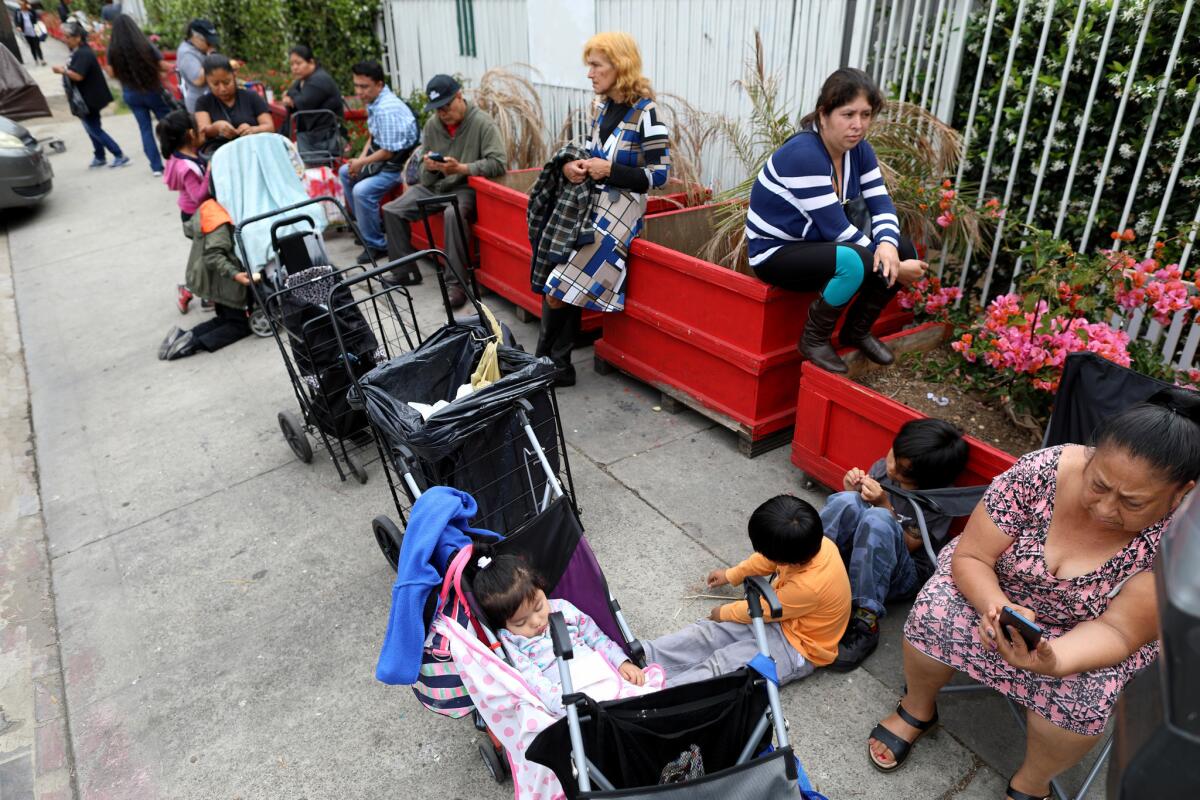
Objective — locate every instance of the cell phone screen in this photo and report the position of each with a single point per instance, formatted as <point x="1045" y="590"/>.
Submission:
<point x="1029" y="631"/>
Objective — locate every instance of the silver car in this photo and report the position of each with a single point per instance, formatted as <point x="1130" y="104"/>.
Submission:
<point x="25" y="173"/>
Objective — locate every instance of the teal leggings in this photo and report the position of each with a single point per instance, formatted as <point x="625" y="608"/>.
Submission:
<point x="837" y="270"/>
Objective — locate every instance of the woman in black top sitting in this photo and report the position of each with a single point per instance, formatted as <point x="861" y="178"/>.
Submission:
<point x="318" y="136"/>
<point x="228" y="112"/>
<point x="83" y="70"/>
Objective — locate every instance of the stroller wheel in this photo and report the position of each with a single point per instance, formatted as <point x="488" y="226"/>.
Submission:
<point x="359" y="472"/>
<point x="293" y="432"/>
<point x="260" y="325"/>
<point x="492" y="762"/>
<point x="388" y="537"/>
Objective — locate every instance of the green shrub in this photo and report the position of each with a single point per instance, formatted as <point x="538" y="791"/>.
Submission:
<point x="340" y="32"/>
<point x="1134" y="125"/>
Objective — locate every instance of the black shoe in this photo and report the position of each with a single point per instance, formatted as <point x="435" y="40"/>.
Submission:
<point x="859" y="641"/>
<point x="556" y="339"/>
<point x="165" y="347"/>
<point x="815" y="342"/>
<point x="367" y="256"/>
<point x="458" y="297"/>
<point x="182" y="347"/>
<point x="409" y="276"/>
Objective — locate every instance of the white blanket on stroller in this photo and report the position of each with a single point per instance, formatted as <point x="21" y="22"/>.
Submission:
<point x="512" y="711"/>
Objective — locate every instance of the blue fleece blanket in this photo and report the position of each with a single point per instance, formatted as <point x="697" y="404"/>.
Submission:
<point x="437" y="529"/>
<point x="256" y="175"/>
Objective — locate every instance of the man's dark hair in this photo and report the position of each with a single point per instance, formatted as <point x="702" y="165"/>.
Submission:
<point x="303" y="51"/>
<point x="935" y="450"/>
<point x="786" y="529"/>
<point x="502" y="584"/>
<point x="369" y="69"/>
<point x="1164" y="431"/>
<point x="214" y="62"/>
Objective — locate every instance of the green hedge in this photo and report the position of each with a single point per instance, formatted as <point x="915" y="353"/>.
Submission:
<point x="340" y="32"/>
<point x="1150" y="69"/>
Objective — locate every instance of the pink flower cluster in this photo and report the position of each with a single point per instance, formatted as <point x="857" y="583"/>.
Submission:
<point x="1145" y="283"/>
<point x="1028" y="343"/>
<point x="927" y="297"/>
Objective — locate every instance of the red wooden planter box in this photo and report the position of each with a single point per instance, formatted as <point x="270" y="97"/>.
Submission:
<point x="503" y="236"/>
<point x="718" y="341"/>
<point x="841" y="424"/>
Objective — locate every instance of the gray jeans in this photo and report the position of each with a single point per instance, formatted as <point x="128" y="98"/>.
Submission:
<point x="706" y="649"/>
<point x="401" y="212"/>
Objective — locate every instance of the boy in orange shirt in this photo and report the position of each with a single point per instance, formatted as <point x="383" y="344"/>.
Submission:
<point x="812" y="587"/>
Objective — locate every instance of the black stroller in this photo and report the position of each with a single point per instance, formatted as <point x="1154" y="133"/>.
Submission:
<point x="303" y="296"/>
<point x="500" y="441"/>
<point x="724" y="725"/>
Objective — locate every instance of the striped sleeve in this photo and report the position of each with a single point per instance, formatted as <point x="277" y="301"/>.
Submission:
<point x="656" y="150"/>
<point x="885" y="225"/>
<point x="802" y="177"/>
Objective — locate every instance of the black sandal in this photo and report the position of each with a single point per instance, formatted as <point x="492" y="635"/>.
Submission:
<point x="1013" y="794"/>
<point x="901" y="748"/>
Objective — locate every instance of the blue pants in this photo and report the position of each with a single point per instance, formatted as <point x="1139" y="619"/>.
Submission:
<point x="143" y="104"/>
<point x="872" y="545"/>
<point x="363" y="196"/>
<point x="100" y="139"/>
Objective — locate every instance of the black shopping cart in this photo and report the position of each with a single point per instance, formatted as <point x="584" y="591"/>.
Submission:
<point x="304" y="296"/>
<point x="436" y="424"/>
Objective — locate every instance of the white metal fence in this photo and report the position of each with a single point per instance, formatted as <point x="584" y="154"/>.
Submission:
<point x="919" y="48"/>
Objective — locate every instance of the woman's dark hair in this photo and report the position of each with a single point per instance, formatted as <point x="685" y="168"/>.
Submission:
<point x="303" y="51"/>
<point x="1164" y="431"/>
<point x="843" y="87"/>
<point x="172" y="131"/>
<point x="133" y="60"/>
<point x="368" y="69"/>
<point x="935" y="450"/>
<point x="215" y="61"/>
<point x="786" y="529"/>
<point x="501" y="584"/>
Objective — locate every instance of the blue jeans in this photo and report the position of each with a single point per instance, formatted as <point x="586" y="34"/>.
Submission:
<point x="872" y="545"/>
<point x="363" y="195"/>
<point x="100" y="139"/>
<point x="142" y="104"/>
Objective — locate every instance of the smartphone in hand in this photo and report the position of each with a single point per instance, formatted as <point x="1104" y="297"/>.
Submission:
<point x="1031" y="632"/>
<point x="436" y="157"/>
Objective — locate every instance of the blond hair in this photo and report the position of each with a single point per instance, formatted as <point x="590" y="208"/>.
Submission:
<point x="622" y="51"/>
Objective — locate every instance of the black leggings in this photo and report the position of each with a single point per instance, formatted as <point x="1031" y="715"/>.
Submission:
<point x="227" y="326"/>
<point x="836" y="269"/>
<point x="35" y="47"/>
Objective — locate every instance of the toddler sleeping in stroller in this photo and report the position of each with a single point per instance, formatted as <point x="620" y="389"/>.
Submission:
<point x="513" y="597"/>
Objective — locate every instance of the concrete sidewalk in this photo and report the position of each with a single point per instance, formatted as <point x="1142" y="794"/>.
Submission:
<point x="220" y="605"/>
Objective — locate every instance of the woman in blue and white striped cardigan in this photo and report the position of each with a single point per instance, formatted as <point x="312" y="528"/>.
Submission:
<point x="800" y="237"/>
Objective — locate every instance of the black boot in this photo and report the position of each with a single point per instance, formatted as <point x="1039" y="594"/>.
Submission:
<point x="856" y="332"/>
<point x="556" y="339"/>
<point x="814" y="342"/>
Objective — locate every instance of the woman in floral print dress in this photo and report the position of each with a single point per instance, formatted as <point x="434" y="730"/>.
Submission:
<point x="1066" y="537"/>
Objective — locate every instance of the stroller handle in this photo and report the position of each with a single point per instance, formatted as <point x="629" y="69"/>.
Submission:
<point x="560" y="637"/>
<point x="757" y="590"/>
<point x="292" y="220"/>
<point x="425" y="206"/>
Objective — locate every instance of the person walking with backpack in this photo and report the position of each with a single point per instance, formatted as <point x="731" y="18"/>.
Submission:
<point x="25" y="20"/>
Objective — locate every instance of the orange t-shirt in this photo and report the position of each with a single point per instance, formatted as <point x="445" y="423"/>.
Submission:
<point x="815" y="599"/>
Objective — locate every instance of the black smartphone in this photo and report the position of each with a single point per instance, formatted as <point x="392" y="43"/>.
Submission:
<point x="1031" y="632"/>
<point x="436" y="157"/>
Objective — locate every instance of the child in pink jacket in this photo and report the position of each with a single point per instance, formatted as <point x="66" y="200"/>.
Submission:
<point x="185" y="173"/>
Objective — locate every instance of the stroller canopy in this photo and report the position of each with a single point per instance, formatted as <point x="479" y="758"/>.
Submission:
<point x="20" y="97"/>
<point x="257" y="175"/>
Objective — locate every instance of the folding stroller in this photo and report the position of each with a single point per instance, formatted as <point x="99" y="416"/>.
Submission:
<point x="729" y="719"/>
<point x="302" y="295"/>
<point x="502" y="443"/>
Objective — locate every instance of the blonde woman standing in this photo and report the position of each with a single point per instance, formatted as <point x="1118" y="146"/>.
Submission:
<point x="628" y="156"/>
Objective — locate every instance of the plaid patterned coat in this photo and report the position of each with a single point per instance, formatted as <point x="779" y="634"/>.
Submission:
<point x="594" y="274"/>
<point x="559" y="216"/>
